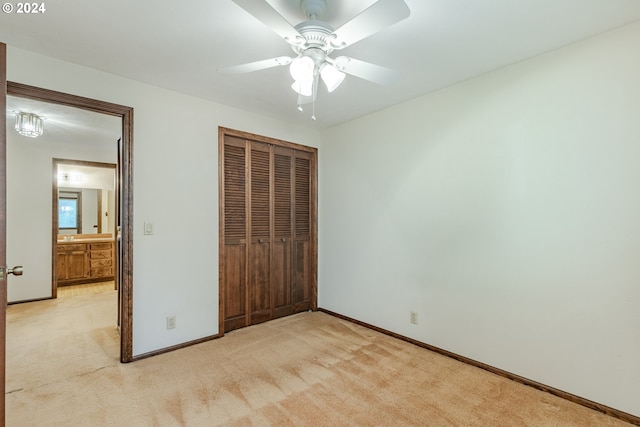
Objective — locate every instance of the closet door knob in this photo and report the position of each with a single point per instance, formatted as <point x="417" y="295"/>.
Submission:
<point x="284" y="239"/>
<point x="260" y="240"/>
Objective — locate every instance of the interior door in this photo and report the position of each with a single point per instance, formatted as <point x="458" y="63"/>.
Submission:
<point x="3" y="219"/>
<point x="118" y="229"/>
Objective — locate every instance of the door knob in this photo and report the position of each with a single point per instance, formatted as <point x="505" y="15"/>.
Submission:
<point x="284" y="239"/>
<point x="16" y="271"/>
<point x="260" y="240"/>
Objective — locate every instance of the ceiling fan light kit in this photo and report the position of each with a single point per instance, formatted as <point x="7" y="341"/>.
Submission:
<point x="302" y="70"/>
<point x="314" y="40"/>
<point x="331" y="76"/>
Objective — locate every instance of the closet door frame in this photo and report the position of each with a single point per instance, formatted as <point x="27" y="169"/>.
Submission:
<point x="313" y="153"/>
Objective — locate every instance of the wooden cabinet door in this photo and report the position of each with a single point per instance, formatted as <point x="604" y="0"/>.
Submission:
<point x="72" y="262"/>
<point x="61" y="265"/>
<point x="77" y="264"/>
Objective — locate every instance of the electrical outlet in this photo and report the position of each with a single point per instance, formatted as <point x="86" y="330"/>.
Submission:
<point x="171" y="322"/>
<point x="413" y="317"/>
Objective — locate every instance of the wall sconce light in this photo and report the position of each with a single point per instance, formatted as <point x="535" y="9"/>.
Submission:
<point x="29" y="124"/>
<point x="71" y="178"/>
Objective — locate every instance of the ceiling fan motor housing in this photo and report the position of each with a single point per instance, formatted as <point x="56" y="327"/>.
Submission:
<point x="316" y="34"/>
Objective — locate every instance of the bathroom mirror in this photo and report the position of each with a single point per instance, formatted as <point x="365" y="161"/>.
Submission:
<point x="86" y="199"/>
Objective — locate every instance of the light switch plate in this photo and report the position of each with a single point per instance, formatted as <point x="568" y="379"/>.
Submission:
<point x="148" y="228"/>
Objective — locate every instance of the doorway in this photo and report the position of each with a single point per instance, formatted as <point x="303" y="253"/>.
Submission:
<point x="84" y="223"/>
<point x="124" y="226"/>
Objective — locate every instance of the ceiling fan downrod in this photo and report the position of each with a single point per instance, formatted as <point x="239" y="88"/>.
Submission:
<point x="313" y="8"/>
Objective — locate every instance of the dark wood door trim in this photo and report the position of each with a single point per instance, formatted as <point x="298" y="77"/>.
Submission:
<point x="222" y="131"/>
<point x="312" y="153"/>
<point x="3" y="219"/>
<point x="126" y="191"/>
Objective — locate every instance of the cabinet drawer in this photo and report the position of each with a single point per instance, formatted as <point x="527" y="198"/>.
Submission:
<point x="101" y="254"/>
<point x="72" y="248"/>
<point x="101" y="272"/>
<point x="100" y="246"/>
<point x="95" y="263"/>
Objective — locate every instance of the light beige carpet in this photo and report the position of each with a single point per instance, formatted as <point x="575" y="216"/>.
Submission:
<point x="310" y="369"/>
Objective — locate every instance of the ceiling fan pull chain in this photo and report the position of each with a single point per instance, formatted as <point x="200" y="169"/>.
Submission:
<point x="300" y="103"/>
<point x="314" y="91"/>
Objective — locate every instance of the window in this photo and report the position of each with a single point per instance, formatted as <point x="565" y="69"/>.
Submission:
<point x="69" y="212"/>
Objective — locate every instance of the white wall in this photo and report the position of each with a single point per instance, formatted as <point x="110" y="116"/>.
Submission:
<point x="29" y="207"/>
<point x="505" y="211"/>
<point x="89" y="211"/>
<point x="175" y="186"/>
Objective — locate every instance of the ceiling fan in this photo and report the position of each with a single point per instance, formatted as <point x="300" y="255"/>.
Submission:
<point x="313" y="41"/>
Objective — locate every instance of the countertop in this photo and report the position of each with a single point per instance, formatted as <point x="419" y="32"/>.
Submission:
<point x="87" y="240"/>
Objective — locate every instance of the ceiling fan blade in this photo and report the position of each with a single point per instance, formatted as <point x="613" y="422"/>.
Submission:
<point x="376" y="17"/>
<point x="256" y="66"/>
<point x="366" y="70"/>
<point x="263" y="11"/>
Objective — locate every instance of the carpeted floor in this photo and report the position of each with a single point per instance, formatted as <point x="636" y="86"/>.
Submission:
<point x="310" y="369"/>
<point x="85" y="288"/>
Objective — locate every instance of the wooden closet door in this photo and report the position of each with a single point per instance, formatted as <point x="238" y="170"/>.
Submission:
<point x="302" y="250"/>
<point x="260" y="229"/>
<point x="283" y="231"/>
<point x="267" y="247"/>
<point x="234" y="234"/>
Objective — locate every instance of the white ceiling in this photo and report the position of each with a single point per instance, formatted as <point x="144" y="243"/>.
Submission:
<point x="66" y="125"/>
<point x="180" y="45"/>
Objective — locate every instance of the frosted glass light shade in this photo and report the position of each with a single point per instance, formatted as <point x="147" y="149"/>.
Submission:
<point x="331" y="76"/>
<point x="303" y="87"/>
<point x="301" y="68"/>
<point x="28" y="124"/>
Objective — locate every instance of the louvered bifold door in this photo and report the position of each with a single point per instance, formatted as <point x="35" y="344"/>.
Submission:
<point x="260" y="229"/>
<point x="283" y="233"/>
<point x="267" y="223"/>
<point x="302" y="250"/>
<point x="234" y="283"/>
